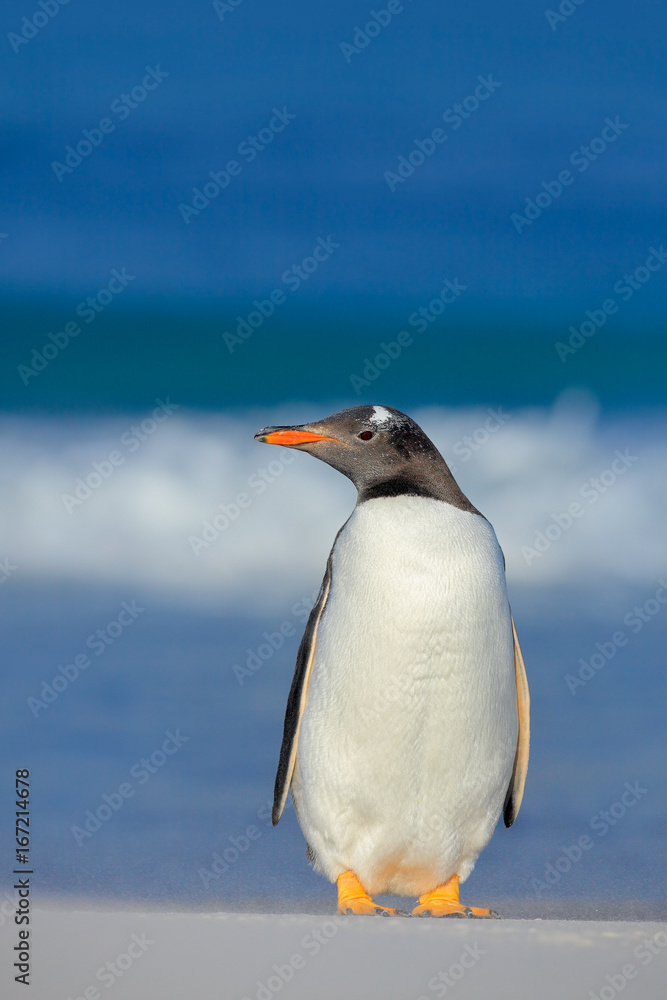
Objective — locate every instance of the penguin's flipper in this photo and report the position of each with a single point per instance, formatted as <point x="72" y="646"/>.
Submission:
<point x="296" y="702"/>
<point x="516" y="786"/>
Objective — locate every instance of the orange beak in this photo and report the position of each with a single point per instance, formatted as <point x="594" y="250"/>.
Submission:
<point x="289" y="437"/>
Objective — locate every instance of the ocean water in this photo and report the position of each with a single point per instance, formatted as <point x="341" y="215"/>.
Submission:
<point x="162" y="570"/>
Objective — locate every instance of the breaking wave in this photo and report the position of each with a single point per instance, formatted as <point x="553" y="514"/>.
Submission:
<point x="188" y="503"/>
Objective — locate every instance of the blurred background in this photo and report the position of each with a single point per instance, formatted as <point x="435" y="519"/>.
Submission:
<point x="218" y="216"/>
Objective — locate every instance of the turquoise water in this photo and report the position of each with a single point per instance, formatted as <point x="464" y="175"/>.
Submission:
<point x="321" y="351"/>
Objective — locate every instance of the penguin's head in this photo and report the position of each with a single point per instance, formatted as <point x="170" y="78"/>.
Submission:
<point x="379" y="448"/>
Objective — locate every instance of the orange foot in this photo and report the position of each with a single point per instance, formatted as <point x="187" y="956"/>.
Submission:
<point x="444" y="902"/>
<point x="353" y="898"/>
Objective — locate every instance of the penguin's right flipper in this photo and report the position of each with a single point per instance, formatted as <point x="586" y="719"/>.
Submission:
<point x="296" y="702"/>
<point x="516" y="786"/>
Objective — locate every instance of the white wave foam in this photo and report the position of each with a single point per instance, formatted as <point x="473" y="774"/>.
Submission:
<point x="137" y="527"/>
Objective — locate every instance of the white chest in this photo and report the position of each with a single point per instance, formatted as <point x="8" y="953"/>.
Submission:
<point x="418" y="592"/>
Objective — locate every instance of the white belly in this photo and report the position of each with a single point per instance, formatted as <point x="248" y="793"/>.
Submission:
<point x="408" y="737"/>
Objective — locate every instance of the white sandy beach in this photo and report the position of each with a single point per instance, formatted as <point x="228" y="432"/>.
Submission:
<point x="186" y="956"/>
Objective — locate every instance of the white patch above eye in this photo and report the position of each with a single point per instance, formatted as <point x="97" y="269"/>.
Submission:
<point x="380" y="416"/>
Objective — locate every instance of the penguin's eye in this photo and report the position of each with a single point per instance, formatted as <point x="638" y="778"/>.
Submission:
<point x="365" y="435"/>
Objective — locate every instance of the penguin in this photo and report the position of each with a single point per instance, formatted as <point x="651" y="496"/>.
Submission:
<point x="407" y="724"/>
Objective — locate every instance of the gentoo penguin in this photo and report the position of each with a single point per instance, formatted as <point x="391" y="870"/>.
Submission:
<point x="407" y="723"/>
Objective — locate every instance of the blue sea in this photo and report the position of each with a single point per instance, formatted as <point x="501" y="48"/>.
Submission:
<point x="158" y="570"/>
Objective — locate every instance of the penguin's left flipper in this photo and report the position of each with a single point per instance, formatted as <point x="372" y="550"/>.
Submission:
<point x="443" y="901"/>
<point x="518" y="781"/>
<point x="296" y="701"/>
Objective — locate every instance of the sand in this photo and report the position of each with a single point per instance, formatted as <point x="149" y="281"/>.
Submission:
<point x="177" y="956"/>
